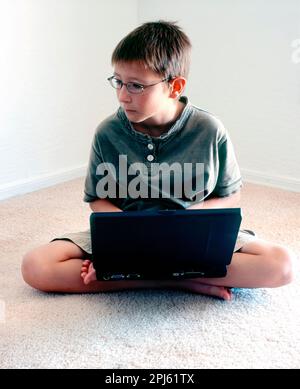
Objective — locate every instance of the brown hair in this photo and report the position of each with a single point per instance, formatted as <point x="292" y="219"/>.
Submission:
<point x="162" y="46"/>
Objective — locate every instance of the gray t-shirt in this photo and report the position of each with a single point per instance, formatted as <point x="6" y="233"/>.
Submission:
<point x="197" y="137"/>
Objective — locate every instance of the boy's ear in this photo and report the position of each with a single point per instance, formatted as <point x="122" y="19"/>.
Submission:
<point x="177" y="85"/>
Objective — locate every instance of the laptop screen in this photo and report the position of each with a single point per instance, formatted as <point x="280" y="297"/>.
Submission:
<point x="163" y="244"/>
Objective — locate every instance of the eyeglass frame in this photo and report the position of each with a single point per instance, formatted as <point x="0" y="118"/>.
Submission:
<point x="136" y="83"/>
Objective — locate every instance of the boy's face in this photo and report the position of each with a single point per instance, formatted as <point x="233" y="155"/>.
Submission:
<point x="153" y="105"/>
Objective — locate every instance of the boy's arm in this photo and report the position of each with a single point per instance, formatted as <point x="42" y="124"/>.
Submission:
<point x="232" y="201"/>
<point x="103" y="205"/>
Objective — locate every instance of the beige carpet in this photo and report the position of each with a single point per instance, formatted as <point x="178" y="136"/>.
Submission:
<point x="147" y="328"/>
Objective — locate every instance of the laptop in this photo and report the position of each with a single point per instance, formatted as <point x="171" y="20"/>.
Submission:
<point x="164" y="244"/>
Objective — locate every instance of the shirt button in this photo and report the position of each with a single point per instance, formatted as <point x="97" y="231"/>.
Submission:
<point x="150" y="158"/>
<point x="150" y="146"/>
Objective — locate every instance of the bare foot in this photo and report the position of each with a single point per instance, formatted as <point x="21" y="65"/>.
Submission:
<point x="88" y="273"/>
<point x="222" y="292"/>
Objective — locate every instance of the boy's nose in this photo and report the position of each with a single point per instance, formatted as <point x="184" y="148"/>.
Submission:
<point x="123" y="95"/>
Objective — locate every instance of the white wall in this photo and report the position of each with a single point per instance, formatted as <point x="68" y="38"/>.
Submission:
<point x="242" y="71"/>
<point x="54" y="61"/>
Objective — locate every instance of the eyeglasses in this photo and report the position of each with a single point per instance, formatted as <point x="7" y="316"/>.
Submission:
<point x="132" y="87"/>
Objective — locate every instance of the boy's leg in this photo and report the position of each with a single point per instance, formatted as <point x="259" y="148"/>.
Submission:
<point x="54" y="266"/>
<point x="258" y="264"/>
<point x="57" y="267"/>
<point x="88" y="274"/>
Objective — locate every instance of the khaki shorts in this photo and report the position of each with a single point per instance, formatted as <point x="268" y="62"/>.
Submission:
<point x="83" y="239"/>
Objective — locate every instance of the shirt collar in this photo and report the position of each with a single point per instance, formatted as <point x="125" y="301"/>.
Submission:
<point x="145" y="138"/>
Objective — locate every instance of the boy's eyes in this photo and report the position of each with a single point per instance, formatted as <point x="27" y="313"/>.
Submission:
<point x="135" y="86"/>
<point x="131" y="86"/>
<point x="116" y="83"/>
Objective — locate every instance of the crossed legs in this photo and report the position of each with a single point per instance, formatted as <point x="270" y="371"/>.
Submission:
<point x="61" y="266"/>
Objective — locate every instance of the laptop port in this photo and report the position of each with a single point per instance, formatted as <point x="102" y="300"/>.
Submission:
<point x="133" y="276"/>
<point x="178" y="274"/>
<point x="117" y="276"/>
<point x="194" y="274"/>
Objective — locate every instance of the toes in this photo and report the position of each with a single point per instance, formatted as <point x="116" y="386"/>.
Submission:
<point x="88" y="273"/>
<point x="85" y="268"/>
<point x="210" y="290"/>
<point x="88" y="278"/>
<point x="229" y="294"/>
<point x="221" y="291"/>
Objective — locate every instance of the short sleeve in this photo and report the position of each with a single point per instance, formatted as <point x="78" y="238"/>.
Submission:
<point x="229" y="178"/>
<point x="91" y="178"/>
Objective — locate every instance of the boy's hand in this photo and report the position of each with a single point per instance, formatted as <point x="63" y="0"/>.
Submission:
<point x="232" y="201"/>
<point x="197" y="206"/>
<point x="103" y="205"/>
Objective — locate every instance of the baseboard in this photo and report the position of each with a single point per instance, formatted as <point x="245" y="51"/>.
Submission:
<point x="39" y="182"/>
<point x="282" y="182"/>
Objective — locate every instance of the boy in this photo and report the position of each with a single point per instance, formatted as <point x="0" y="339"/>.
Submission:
<point x="155" y="123"/>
